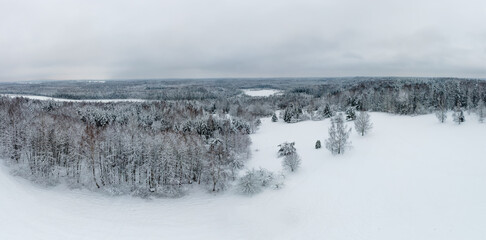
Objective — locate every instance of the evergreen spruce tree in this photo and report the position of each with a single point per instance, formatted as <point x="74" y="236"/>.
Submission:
<point x="286" y="148"/>
<point x="327" y="112"/>
<point x="292" y="113"/>
<point x="318" y="144"/>
<point x="350" y="114"/>
<point x="274" y="117"/>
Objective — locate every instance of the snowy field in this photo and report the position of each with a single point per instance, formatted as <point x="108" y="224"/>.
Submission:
<point x="71" y="100"/>
<point x="410" y="178"/>
<point x="260" y="93"/>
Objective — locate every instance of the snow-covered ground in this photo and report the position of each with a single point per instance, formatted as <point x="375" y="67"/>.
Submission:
<point x="261" y="93"/>
<point x="410" y="178"/>
<point x="71" y="100"/>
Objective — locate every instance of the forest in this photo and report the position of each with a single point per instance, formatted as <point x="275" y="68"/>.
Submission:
<point x="191" y="132"/>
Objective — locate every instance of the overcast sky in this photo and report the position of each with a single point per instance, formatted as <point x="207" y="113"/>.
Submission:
<point x="113" y="39"/>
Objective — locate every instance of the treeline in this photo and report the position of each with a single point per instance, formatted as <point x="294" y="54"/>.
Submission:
<point x="156" y="148"/>
<point x="167" y="90"/>
<point x="392" y="95"/>
<point x="387" y="94"/>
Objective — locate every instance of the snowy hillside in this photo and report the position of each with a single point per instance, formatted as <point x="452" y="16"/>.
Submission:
<point x="410" y="178"/>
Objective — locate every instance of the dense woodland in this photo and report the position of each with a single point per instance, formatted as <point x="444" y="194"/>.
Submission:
<point x="140" y="148"/>
<point x="193" y="133"/>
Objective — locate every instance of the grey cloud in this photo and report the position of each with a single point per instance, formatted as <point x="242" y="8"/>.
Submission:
<point x="74" y="39"/>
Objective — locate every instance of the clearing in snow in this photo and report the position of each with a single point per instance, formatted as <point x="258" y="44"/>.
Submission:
<point x="261" y="93"/>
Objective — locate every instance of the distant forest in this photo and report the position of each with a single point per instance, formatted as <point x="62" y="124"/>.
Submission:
<point x="193" y="132"/>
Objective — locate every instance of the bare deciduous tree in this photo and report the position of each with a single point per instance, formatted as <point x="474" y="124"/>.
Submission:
<point x="363" y="124"/>
<point x="441" y="112"/>
<point x="480" y="110"/>
<point x="291" y="162"/>
<point x="338" y="135"/>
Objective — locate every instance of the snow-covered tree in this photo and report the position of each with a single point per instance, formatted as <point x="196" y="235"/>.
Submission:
<point x="218" y="162"/>
<point x="318" y="144"/>
<point x="338" y="136"/>
<point x="323" y="112"/>
<point x="249" y="183"/>
<point x="480" y="111"/>
<point x="350" y="113"/>
<point x="458" y="116"/>
<point x="470" y="104"/>
<point x="441" y="114"/>
<point x="274" y="117"/>
<point x="254" y="181"/>
<point x="278" y="181"/>
<point x="327" y="112"/>
<point x="265" y="177"/>
<point x="291" y="162"/>
<point x="363" y="124"/>
<point x="292" y="113"/>
<point x="286" y="149"/>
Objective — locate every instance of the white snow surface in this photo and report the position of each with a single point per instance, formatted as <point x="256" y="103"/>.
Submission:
<point x="44" y="98"/>
<point x="261" y="93"/>
<point x="410" y="178"/>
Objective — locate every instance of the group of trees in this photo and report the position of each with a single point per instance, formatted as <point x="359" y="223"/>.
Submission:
<point x="254" y="181"/>
<point x="458" y="113"/>
<point x="291" y="160"/>
<point x="339" y="133"/>
<point x="139" y="148"/>
<point x="292" y="113"/>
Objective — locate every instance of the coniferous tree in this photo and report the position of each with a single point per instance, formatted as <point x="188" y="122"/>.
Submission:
<point x="286" y="149"/>
<point x="350" y="114"/>
<point x="318" y="144"/>
<point x="274" y="117"/>
<point x="292" y="113"/>
<point x="327" y="112"/>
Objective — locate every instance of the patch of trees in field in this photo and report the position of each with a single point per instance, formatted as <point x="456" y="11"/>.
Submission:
<point x="154" y="148"/>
